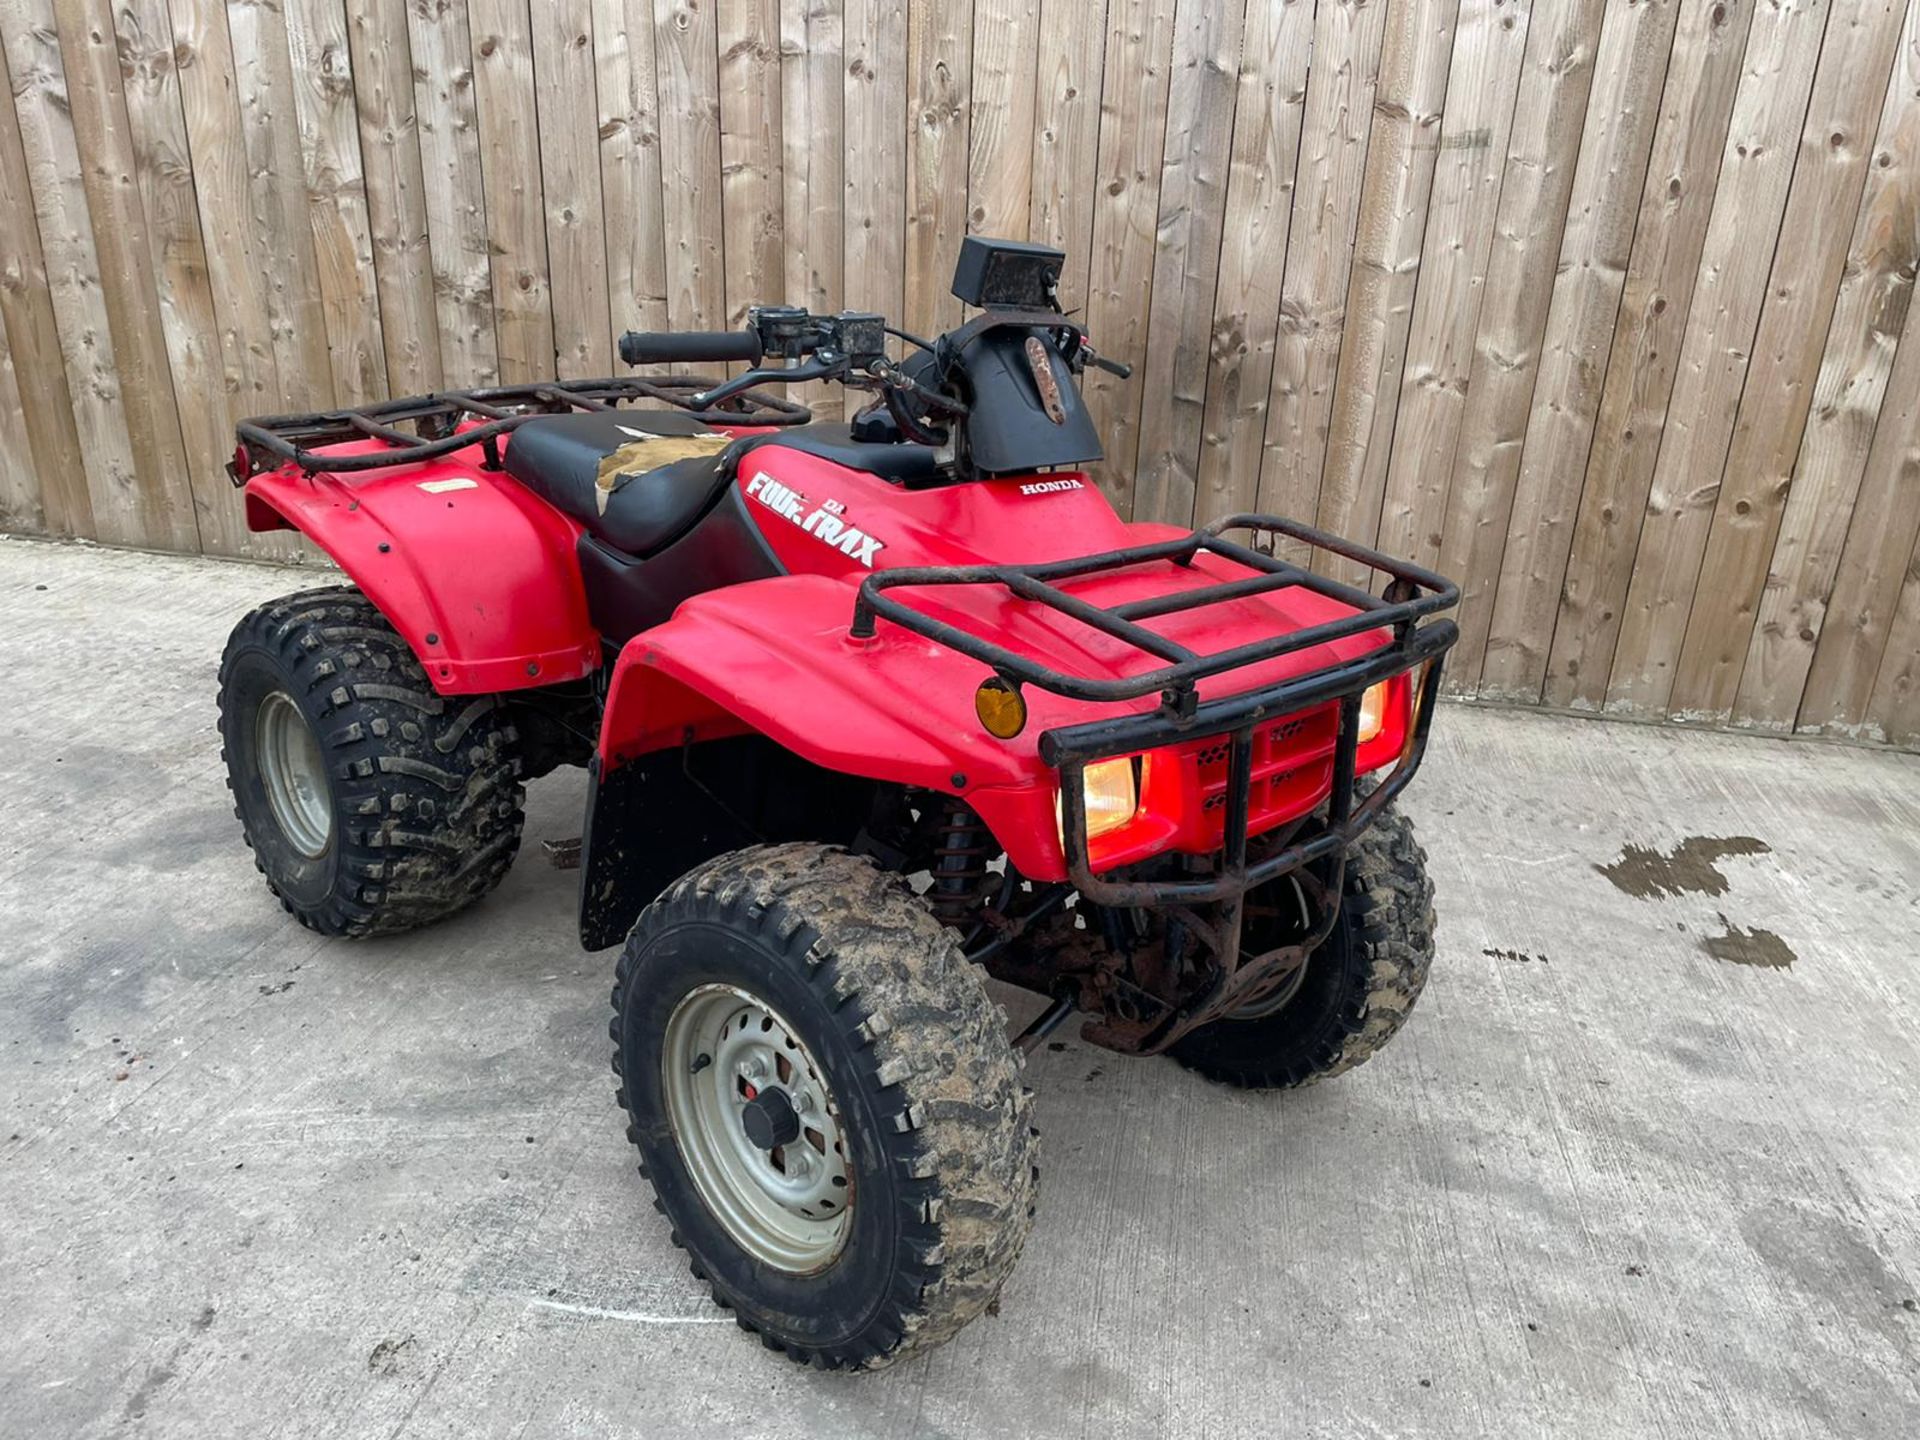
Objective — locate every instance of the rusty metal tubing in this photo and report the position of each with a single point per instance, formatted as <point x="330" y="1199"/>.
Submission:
<point x="1126" y="734"/>
<point x="1345" y="822"/>
<point x="294" y="438"/>
<point x="1033" y="583"/>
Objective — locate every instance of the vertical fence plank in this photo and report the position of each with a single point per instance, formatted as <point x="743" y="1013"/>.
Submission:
<point x="1894" y="713"/>
<point x="1535" y="191"/>
<point x="940" y="64"/>
<point x="570" y="189"/>
<point x="876" y="172"/>
<point x="1066" y="135"/>
<point x="514" y="209"/>
<point x="1474" y="133"/>
<point x="329" y="146"/>
<point x="1006" y="58"/>
<point x="1186" y="260"/>
<point x="160" y="509"/>
<point x="187" y="318"/>
<point x="1347" y="44"/>
<point x="1133" y="122"/>
<point x="22" y="511"/>
<point x="1756" y="169"/>
<point x="1630" y="73"/>
<point x="1683" y="175"/>
<point x="686" y="59"/>
<point x="630" y="193"/>
<point x="750" y="155"/>
<point x="58" y="198"/>
<point x="1880" y="542"/>
<point x="236" y="262"/>
<point x="1270" y="102"/>
<point x="278" y="207"/>
<point x="1396" y="187"/>
<point x="58" y="464"/>
<point x="456" y="202"/>
<point x="396" y="192"/>
<point x="812" y="171"/>
<point x="1841" y="513"/>
<point x="1836" y="143"/>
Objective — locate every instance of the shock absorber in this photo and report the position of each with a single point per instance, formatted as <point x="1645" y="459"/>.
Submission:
<point x="961" y="850"/>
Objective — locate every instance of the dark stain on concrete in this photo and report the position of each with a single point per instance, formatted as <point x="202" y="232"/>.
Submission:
<point x="1519" y="957"/>
<point x="386" y="1357"/>
<point x="1692" y="867"/>
<point x="1760" y="948"/>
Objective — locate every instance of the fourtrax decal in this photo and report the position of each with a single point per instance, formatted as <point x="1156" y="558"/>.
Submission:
<point x="826" y="521"/>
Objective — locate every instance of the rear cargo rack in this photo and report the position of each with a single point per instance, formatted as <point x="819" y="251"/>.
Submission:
<point x="1412" y="594"/>
<point x="425" y="427"/>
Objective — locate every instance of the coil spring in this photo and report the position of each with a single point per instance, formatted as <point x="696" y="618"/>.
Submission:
<point x="961" y="850"/>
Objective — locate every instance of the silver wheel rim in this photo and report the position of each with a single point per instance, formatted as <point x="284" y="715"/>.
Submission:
<point x="788" y="1206"/>
<point x="293" y="775"/>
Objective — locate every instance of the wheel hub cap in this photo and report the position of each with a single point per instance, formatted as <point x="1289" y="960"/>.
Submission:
<point x="757" y="1127"/>
<point x="770" y="1120"/>
<point x="293" y="775"/>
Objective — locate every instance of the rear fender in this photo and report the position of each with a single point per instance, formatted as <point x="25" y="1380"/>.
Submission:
<point x="477" y="574"/>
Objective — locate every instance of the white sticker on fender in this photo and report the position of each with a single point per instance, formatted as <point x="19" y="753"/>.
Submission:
<point x="826" y="522"/>
<point x="441" y="487"/>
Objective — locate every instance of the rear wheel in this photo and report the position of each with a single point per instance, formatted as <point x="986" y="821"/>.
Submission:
<point x="371" y="803"/>
<point x="825" y="1101"/>
<point x="1355" y="991"/>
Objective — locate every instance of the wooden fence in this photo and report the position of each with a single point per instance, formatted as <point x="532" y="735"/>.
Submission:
<point x="1601" y="306"/>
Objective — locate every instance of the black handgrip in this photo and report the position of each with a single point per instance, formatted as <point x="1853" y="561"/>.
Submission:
<point x="695" y="347"/>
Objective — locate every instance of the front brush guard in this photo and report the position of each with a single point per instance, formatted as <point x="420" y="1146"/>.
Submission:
<point x="1419" y="642"/>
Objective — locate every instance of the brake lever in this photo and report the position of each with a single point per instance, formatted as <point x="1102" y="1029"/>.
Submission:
<point x="1112" y="367"/>
<point x="788" y="374"/>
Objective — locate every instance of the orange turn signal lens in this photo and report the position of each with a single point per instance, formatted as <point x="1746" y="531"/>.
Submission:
<point x="1001" y="708"/>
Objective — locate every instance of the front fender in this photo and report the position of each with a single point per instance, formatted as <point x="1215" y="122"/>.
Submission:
<point x="774" y="656"/>
<point x="478" y="575"/>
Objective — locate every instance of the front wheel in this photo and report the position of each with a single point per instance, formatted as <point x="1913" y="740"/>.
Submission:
<point x="825" y="1101"/>
<point x="1355" y="991"/>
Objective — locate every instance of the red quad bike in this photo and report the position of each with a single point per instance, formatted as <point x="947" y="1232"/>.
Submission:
<point x="871" y="711"/>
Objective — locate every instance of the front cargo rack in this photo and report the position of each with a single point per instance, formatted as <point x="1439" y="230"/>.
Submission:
<point x="1411" y="594"/>
<point x="425" y="427"/>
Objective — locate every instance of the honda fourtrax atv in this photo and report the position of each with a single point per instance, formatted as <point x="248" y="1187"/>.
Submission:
<point x="870" y="712"/>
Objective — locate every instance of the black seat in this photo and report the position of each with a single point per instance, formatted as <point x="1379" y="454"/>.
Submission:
<point x="905" y="464"/>
<point x="559" y="459"/>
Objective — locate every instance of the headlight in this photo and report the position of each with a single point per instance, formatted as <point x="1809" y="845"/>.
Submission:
<point x="1112" y="795"/>
<point x="1373" y="711"/>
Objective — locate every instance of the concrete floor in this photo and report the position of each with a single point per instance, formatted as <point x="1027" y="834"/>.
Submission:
<point x="1628" y="1172"/>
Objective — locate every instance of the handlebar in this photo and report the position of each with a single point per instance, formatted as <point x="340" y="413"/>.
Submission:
<point x="694" y="347"/>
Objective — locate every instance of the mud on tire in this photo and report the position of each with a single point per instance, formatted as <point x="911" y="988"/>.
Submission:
<point x="422" y="803"/>
<point x="1359" y="986"/>
<point x="934" y="1121"/>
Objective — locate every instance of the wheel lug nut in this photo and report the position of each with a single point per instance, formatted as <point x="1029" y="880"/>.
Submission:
<point x="802" y="1101"/>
